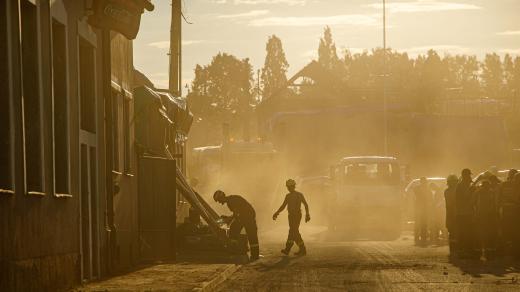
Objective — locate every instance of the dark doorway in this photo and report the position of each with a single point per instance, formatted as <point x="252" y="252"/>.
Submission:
<point x="157" y="209"/>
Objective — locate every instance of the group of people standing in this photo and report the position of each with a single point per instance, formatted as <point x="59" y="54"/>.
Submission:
<point x="482" y="214"/>
<point x="429" y="213"/>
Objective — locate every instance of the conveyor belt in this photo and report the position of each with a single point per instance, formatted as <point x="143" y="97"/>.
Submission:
<point x="215" y="223"/>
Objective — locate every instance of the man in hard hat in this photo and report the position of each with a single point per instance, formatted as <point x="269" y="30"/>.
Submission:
<point x="465" y="202"/>
<point x="507" y="201"/>
<point x="437" y="214"/>
<point x="516" y="218"/>
<point x="486" y="216"/>
<point x="423" y="202"/>
<point x="451" y="215"/>
<point x="244" y="216"/>
<point x="293" y="201"/>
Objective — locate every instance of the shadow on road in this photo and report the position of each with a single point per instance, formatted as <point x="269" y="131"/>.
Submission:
<point x="280" y="264"/>
<point x="328" y="235"/>
<point x="476" y="268"/>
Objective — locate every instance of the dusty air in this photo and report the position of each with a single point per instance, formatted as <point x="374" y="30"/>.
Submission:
<point x="259" y="145"/>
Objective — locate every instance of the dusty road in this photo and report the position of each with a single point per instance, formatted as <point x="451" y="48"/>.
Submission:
<point x="369" y="266"/>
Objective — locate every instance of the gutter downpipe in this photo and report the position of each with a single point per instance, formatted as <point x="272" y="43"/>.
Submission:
<point x="107" y="93"/>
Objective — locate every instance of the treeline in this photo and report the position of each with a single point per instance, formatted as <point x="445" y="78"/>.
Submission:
<point x="227" y="88"/>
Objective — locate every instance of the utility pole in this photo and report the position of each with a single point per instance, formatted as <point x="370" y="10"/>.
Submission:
<point x="175" y="76"/>
<point x="385" y="102"/>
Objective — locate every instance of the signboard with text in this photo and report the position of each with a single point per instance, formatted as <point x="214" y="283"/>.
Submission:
<point x="123" y="16"/>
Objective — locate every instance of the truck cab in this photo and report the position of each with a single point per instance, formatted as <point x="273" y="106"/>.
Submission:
<point x="367" y="197"/>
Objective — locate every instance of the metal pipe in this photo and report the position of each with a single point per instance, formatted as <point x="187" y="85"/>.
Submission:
<point x="107" y="94"/>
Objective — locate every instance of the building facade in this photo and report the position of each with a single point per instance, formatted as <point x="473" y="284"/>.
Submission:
<point x="62" y="162"/>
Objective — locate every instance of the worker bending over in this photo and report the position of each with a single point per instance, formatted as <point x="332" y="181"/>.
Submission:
<point x="244" y="216"/>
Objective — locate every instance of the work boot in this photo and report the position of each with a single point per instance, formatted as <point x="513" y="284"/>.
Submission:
<point x="253" y="258"/>
<point x="288" y="246"/>
<point x="302" y="251"/>
<point x="255" y="253"/>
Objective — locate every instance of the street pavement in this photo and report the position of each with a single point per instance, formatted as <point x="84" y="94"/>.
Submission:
<point x="183" y="276"/>
<point x="332" y="265"/>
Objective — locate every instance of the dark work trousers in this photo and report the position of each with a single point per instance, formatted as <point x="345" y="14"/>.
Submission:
<point x="513" y="219"/>
<point x="466" y="232"/>
<point x="508" y="225"/>
<point x="249" y="224"/>
<point x="421" y="229"/>
<point x="294" y="230"/>
<point x="487" y="227"/>
<point x="453" y="240"/>
<point x="451" y="225"/>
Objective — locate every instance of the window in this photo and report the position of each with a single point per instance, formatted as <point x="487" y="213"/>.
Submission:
<point x="371" y="173"/>
<point x="126" y="134"/>
<point x="115" y="130"/>
<point x="60" y="98"/>
<point x="87" y="86"/>
<point x="31" y="97"/>
<point x="5" y="123"/>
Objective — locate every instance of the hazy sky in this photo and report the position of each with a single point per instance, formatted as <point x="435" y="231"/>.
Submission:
<point x="241" y="27"/>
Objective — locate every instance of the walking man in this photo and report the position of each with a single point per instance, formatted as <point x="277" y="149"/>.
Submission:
<point x="244" y="216"/>
<point x="293" y="201"/>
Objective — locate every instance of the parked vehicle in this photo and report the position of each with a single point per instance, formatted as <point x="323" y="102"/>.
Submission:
<point x="367" y="201"/>
<point x="318" y="192"/>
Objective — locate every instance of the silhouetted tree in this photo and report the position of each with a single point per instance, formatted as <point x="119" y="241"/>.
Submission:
<point x="225" y="83"/>
<point x="453" y="69"/>
<point x="275" y="67"/>
<point x="492" y="75"/>
<point x="509" y="76"/>
<point x="468" y="76"/>
<point x="462" y="76"/>
<point x="358" y="68"/>
<point x="198" y="96"/>
<point x="430" y="85"/>
<point x="516" y="78"/>
<point x="221" y="92"/>
<point x="327" y="55"/>
<point x="224" y="86"/>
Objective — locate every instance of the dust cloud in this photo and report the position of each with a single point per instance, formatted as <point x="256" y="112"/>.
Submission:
<point x="309" y="146"/>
